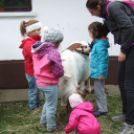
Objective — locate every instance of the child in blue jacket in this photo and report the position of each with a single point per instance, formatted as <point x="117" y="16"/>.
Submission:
<point x="99" y="64"/>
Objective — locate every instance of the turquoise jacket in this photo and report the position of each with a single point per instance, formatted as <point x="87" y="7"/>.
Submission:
<point x="99" y="59"/>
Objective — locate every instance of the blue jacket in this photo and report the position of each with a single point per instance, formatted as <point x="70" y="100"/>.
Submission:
<point x="99" y="59"/>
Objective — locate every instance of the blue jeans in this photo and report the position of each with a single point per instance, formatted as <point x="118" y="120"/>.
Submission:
<point x="33" y="92"/>
<point x="50" y="95"/>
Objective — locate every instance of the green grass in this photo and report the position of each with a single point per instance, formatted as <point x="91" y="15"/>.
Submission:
<point x="15" y="118"/>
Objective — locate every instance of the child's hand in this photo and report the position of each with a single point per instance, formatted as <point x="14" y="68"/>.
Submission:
<point x="100" y="78"/>
<point x="121" y="57"/>
<point x="79" y="49"/>
<point x="87" y="49"/>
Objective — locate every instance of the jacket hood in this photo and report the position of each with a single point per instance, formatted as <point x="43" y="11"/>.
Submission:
<point x="105" y="42"/>
<point x="86" y="106"/>
<point x="38" y="45"/>
<point x="42" y="48"/>
<point x="23" y="42"/>
<point x="30" y="38"/>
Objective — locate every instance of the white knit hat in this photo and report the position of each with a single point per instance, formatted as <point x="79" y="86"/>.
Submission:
<point x="75" y="99"/>
<point x="33" y="27"/>
<point x="52" y="35"/>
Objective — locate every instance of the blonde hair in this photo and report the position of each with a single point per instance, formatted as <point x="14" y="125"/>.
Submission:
<point x="24" y="24"/>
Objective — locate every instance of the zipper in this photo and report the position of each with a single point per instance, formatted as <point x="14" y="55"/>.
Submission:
<point x="95" y="65"/>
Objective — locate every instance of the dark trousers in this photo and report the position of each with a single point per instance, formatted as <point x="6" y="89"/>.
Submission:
<point x="126" y="85"/>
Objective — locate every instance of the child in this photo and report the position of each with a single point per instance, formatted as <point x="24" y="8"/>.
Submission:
<point x="48" y="69"/>
<point x="81" y="118"/>
<point x="31" y="29"/>
<point x="117" y="17"/>
<point x="99" y="64"/>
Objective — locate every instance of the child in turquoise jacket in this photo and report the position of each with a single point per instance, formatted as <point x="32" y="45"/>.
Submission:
<point x="99" y="59"/>
<point x="98" y="64"/>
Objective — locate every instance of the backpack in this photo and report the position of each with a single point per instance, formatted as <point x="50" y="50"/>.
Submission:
<point x="129" y="3"/>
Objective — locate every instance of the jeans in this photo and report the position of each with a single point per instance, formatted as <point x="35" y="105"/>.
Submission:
<point x="126" y="85"/>
<point x="33" y="92"/>
<point x="100" y="95"/>
<point x="50" y="95"/>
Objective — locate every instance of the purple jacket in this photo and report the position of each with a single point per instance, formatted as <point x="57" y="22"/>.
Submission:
<point x="47" y="64"/>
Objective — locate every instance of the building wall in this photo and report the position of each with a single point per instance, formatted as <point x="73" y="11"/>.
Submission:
<point x="70" y="16"/>
<point x="12" y="74"/>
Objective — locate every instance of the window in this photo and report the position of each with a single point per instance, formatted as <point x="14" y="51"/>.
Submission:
<point x="15" y="5"/>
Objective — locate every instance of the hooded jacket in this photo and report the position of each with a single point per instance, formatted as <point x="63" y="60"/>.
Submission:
<point x="47" y="64"/>
<point x="99" y="59"/>
<point x="27" y="54"/>
<point x="82" y="119"/>
<point x="120" y="23"/>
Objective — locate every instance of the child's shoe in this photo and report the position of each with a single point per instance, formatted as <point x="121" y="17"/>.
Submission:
<point x="58" y="128"/>
<point x="43" y="125"/>
<point x="95" y="109"/>
<point x="127" y="129"/>
<point x="35" y="110"/>
<point x="119" y="118"/>
<point x="38" y="104"/>
<point x="98" y="113"/>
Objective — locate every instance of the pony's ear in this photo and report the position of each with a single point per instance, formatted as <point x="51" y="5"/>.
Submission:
<point x="73" y="46"/>
<point x="77" y="45"/>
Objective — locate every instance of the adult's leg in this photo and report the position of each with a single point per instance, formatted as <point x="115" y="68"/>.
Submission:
<point x="129" y="86"/>
<point x="121" y="83"/>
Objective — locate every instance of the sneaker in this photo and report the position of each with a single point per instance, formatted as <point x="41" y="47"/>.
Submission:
<point x="35" y="111"/>
<point x="43" y="125"/>
<point x="95" y="109"/>
<point x="98" y="113"/>
<point x="126" y="129"/>
<point x="58" y="128"/>
<point x="119" y="118"/>
<point x="39" y="104"/>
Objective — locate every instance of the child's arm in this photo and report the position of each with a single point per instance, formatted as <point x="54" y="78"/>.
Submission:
<point x="73" y="122"/>
<point x="86" y="49"/>
<point x="56" y="64"/>
<point x="102" y="59"/>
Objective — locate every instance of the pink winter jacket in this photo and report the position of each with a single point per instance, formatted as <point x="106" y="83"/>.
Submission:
<point x="82" y="119"/>
<point x="47" y="64"/>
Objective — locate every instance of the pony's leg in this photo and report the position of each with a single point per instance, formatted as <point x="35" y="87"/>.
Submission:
<point x="88" y="87"/>
<point x="82" y="87"/>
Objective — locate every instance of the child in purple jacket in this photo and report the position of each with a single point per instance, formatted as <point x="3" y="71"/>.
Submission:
<point x="47" y="70"/>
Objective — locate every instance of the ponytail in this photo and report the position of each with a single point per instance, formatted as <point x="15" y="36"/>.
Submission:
<point x="24" y="24"/>
<point x="94" y="3"/>
<point x="22" y="28"/>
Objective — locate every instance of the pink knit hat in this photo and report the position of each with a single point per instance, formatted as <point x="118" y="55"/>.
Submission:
<point x="75" y="99"/>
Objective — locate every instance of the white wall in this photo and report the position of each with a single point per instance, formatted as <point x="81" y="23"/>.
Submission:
<point x="71" y="16"/>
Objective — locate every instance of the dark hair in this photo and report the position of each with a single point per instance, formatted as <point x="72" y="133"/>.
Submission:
<point x="98" y="29"/>
<point x="93" y="3"/>
<point x="57" y="44"/>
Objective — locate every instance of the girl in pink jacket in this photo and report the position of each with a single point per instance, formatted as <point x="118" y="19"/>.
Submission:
<point x="47" y="71"/>
<point x="81" y="118"/>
